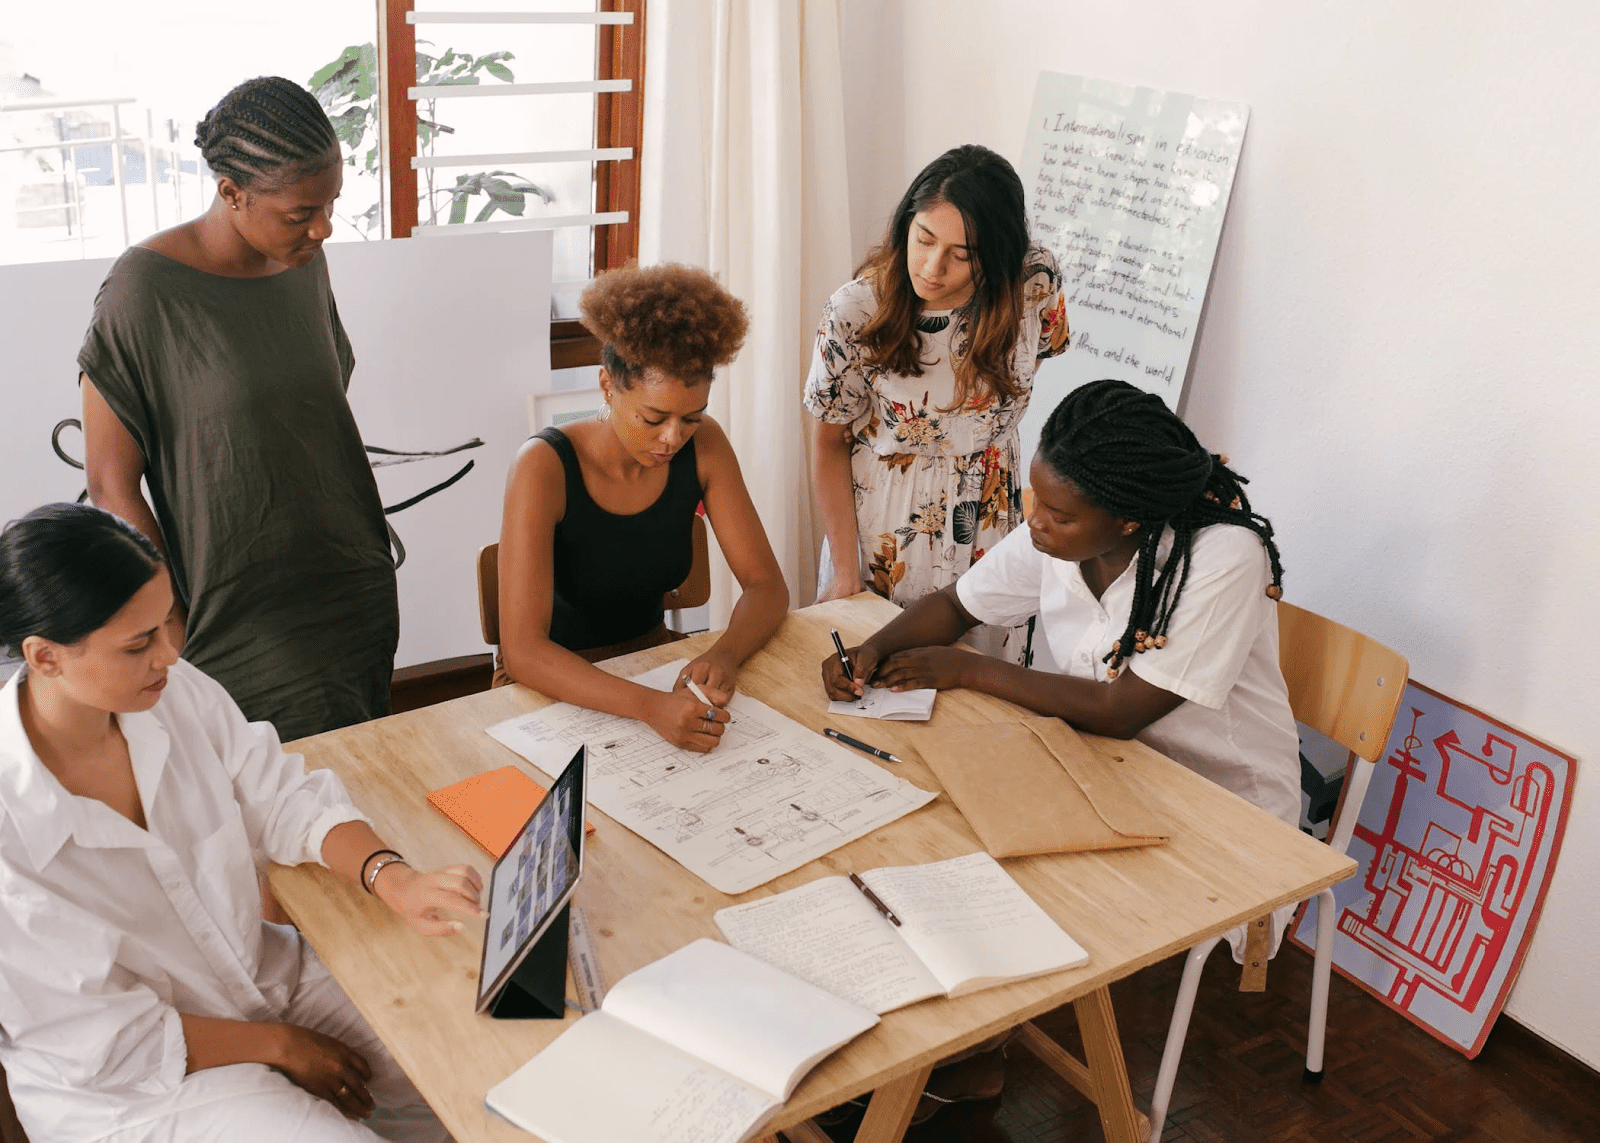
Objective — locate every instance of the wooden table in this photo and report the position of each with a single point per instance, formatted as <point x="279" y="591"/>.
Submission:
<point x="1226" y="863"/>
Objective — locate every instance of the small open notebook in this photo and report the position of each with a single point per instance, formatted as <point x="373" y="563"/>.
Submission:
<point x="965" y="925"/>
<point x="702" y="1046"/>
<point x="882" y="703"/>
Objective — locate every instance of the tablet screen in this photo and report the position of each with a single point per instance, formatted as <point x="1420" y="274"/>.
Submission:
<point x="534" y="878"/>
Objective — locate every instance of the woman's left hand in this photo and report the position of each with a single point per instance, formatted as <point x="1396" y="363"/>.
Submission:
<point x="938" y="667"/>
<point x="712" y="674"/>
<point x="421" y="898"/>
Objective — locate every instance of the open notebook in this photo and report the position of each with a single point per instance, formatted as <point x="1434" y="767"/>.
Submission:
<point x="702" y="1046"/>
<point x="965" y="925"/>
<point x="882" y="703"/>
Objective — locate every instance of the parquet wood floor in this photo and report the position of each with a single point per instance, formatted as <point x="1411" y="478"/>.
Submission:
<point x="1386" y="1080"/>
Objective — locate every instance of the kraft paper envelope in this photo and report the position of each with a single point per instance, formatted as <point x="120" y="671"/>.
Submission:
<point x="1034" y="786"/>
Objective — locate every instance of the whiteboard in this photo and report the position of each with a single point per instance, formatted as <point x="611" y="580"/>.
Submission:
<point x="1129" y="187"/>
<point x="451" y="337"/>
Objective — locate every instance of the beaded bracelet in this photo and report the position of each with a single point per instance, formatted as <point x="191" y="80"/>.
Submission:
<point x="366" y="882"/>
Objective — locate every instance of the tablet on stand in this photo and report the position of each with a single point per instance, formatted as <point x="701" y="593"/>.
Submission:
<point x="524" y="970"/>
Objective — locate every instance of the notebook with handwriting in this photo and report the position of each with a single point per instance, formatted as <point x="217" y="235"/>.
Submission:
<point x="490" y="808"/>
<point x="703" y="1045"/>
<point x="965" y="925"/>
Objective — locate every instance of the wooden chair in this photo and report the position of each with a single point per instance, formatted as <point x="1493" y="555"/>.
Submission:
<point x="692" y="592"/>
<point x="1347" y="687"/>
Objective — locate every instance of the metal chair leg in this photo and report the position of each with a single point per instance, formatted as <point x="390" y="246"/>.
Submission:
<point x="1177" y="1032"/>
<point x="1321" y="969"/>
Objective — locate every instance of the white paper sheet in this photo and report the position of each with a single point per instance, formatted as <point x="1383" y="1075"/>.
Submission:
<point x="771" y="797"/>
<point x="895" y="706"/>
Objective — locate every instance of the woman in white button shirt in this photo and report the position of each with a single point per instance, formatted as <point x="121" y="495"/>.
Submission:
<point x="1154" y="585"/>
<point x="142" y="996"/>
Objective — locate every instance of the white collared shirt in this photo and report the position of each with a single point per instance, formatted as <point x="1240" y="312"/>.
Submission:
<point x="1235" y="726"/>
<point x="109" y="931"/>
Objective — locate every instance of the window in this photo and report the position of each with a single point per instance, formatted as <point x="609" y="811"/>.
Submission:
<point x="519" y="120"/>
<point x="98" y="105"/>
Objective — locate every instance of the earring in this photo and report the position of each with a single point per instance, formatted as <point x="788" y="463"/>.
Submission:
<point x="604" y="412"/>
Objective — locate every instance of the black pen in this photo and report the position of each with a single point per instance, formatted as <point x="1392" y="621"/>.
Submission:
<point x="859" y="745"/>
<point x="873" y="897"/>
<point x="838" y="643"/>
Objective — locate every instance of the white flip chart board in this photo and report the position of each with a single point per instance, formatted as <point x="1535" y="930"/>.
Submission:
<point x="1129" y="187"/>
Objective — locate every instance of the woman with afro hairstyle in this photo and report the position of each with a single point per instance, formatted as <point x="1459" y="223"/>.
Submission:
<point x="1154" y="584"/>
<point x="599" y="515"/>
<point x="922" y="372"/>
<point x="215" y="370"/>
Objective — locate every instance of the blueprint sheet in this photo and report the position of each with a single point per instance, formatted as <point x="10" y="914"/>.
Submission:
<point x="771" y="797"/>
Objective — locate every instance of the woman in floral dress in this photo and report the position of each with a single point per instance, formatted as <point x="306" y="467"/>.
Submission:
<point x="922" y="371"/>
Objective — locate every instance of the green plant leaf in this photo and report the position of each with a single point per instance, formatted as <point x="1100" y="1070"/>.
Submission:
<point x="500" y="71"/>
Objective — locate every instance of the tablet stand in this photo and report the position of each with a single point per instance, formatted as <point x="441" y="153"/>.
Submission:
<point x="537" y="990"/>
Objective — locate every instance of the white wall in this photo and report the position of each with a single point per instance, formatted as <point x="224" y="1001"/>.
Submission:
<point x="1401" y="343"/>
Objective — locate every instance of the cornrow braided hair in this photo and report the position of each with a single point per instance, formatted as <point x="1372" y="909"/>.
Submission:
<point x="266" y="132"/>
<point x="1131" y="455"/>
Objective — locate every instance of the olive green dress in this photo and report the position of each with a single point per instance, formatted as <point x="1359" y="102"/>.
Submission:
<point x="234" y="389"/>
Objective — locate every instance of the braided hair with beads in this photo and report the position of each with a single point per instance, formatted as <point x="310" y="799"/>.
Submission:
<point x="1133" y="457"/>
<point x="266" y="133"/>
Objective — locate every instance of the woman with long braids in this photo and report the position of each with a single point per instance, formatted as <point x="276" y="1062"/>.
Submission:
<point x="922" y="371"/>
<point x="1154" y="582"/>
<point x="215" y="370"/>
<point x="144" y="998"/>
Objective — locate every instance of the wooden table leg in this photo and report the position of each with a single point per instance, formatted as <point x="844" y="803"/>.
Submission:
<point x="889" y="1113"/>
<point x="1102" y="1051"/>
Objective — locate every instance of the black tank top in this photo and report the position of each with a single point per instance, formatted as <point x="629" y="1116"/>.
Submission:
<point x="611" y="571"/>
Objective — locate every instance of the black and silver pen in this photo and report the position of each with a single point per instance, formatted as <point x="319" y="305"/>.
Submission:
<point x="859" y="745"/>
<point x="844" y="660"/>
<point x="873" y="897"/>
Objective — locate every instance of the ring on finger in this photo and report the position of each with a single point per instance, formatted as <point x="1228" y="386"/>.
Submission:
<point x="344" y="1090"/>
<point x="711" y="714"/>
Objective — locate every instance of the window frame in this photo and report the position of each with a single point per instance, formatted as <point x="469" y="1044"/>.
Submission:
<point x="619" y="122"/>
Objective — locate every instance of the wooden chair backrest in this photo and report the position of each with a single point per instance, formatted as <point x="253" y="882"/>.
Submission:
<point x="489" y="593"/>
<point x="692" y="592"/>
<point x="1341" y="683"/>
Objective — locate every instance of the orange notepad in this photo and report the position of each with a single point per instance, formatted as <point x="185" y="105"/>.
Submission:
<point x="490" y="808"/>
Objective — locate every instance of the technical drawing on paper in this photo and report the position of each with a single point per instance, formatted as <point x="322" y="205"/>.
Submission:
<point x="771" y="797"/>
<point x="1457" y="834"/>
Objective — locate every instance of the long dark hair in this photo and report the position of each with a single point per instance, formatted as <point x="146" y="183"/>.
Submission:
<point x="266" y="133"/>
<point x="984" y="188"/>
<point x="65" y="569"/>
<point x="1130" y="455"/>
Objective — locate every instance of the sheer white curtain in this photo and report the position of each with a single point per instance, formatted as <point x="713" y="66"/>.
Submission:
<point x="744" y="174"/>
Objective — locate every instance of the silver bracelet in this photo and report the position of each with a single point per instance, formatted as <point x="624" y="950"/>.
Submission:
<point x="377" y="867"/>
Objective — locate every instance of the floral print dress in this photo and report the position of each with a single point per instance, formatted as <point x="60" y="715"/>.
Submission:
<point x="934" y="489"/>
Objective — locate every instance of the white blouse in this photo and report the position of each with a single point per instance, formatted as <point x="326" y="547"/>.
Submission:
<point x="1235" y="726"/>
<point x="109" y="931"/>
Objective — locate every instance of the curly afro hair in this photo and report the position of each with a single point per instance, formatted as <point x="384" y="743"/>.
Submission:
<point x="674" y="318"/>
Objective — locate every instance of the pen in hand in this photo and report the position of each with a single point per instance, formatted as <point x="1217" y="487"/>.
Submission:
<point x="873" y="897"/>
<point x="844" y="660"/>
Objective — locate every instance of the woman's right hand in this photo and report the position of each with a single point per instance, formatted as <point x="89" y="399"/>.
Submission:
<point x="683" y="720"/>
<point x="841" y="687"/>
<point x="327" y="1068"/>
